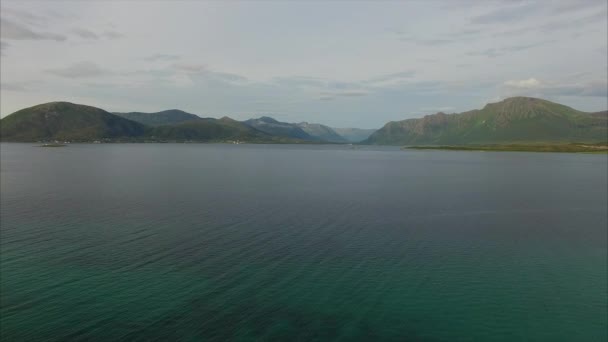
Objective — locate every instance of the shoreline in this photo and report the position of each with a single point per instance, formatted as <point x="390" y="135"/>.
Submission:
<point x="600" y="148"/>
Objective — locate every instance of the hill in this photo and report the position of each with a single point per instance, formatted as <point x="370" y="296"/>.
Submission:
<point x="73" y="122"/>
<point x="166" y="117"/>
<point x="66" y="121"/>
<point x="514" y="120"/>
<point x="280" y="129"/>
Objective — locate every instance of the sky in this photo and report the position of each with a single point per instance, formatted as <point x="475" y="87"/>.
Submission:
<point x="343" y="64"/>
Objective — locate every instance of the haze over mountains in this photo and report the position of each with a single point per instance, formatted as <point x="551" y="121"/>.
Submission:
<point x="514" y="120"/>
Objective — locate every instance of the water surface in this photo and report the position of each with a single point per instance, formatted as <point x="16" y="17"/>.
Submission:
<point x="284" y="242"/>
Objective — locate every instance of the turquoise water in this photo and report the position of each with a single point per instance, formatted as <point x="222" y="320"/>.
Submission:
<point x="254" y="242"/>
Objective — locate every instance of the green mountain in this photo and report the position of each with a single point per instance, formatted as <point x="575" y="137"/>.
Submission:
<point x="514" y="120"/>
<point x="72" y="122"/>
<point x="66" y="121"/>
<point x="321" y="132"/>
<point x="280" y="129"/>
<point x="354" y="135"/>
<point x="166" y="117"/>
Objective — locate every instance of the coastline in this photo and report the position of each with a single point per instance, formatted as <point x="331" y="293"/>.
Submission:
<point x="597" y="148"/>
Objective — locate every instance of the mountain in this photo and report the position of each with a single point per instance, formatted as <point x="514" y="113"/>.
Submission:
<point x="307" y="131"/>
<point x="603" y="114"/>
<point x="281" y="129"/>
<point x="74" y="122"/>
<point x="166" y="117"/>
<point x="66" y="121"/>
<point x="321" y="132"/>
<point x="210" y="130"/>
<point x="514" y="120"/>
<point x="354" y="135"/>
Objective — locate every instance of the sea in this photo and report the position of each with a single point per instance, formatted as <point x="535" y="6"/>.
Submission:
<point x="221" y="242"/>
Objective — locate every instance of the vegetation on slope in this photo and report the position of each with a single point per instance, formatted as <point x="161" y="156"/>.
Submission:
<point x="514" y="120"/>
<point x="166" y="117"/>
<point x="66" y="121"/>
<point x="208" y="130"/>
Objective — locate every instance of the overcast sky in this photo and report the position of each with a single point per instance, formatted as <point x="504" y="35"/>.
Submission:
<point x="345" y="64"/>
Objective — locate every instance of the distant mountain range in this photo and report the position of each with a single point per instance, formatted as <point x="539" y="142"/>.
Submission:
<point x="323" y="133"/>
<point x="354" y="135"/>
<point x="513" y="120"/>
<point x="73" y="122"/>
<point x="281" y="129"/>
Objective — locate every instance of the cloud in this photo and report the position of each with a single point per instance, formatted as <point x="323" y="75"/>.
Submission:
<point x="423" y="41"/>
<point x="23" y="16"/>
<point x="573" y="6"/>
<point x="12" y="87"/>
<point x="191" y="73"/>
<point x="466" y="32"/>
<point x="534" y="87"/>
<point x="595" y="88"/>
<point x="88" y="34"/>
<point x="492" y="52"/>
<point x="529" y="83"/>
<point x="330" y="95"/>
<point x="80" y="70"/>
<point x="599" y="16"/>
<point x="496" y="52"/>
<point x="3" y="47"/>
<point x="557" y="25"/>
<point x="15" y="31"/>
<point x="504" y="15"/>
<point x="162" y="57"/>
<point x="84" y="33"/>
<point x="225" y="76"/>
<point x="434" y="42"/>
<point x="301" y="81"/>
<point x="389" y="79"/>
<point x="112" y="35"/>
<point x="189" y="68"/>
<point x="437" y="109"/>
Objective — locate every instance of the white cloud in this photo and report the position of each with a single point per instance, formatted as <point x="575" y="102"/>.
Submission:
<point x="534" y="87"/>
<point x="16" y="31"/>
<point x="80" y="70"/>
<point x="217" y="57"/>
<point x="84" y="33"/>
<point x="189" y="67"/>
<point x="526" y="84"/>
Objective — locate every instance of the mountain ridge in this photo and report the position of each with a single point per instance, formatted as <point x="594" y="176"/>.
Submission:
<point x="66" y="121"/>
<point x="283" y="129"/>
<point x="513" y="120"/>
<point x="516" y="119"/>
<point x="164" y="117"/>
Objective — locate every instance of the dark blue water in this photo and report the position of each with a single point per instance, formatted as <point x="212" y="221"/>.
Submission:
<point x="257" y="242"/>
